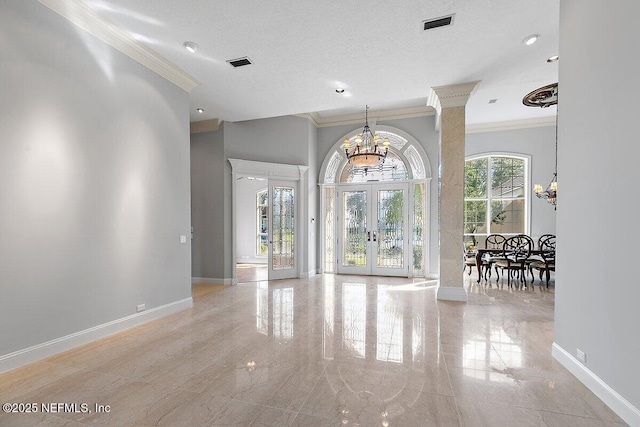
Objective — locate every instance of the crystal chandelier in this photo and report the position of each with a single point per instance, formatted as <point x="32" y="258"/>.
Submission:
<point x="370" y="149"/>
<point x="545" y="97"/>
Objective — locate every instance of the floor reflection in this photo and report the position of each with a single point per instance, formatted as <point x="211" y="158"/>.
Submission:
<point x="324" y="351"/>
<point x="372" y="344"/>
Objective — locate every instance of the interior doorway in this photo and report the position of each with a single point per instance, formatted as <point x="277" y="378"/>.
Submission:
<point x="268" y="228"/>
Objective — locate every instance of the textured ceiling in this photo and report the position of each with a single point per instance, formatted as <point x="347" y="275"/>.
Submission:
<point x="376" y="50"/>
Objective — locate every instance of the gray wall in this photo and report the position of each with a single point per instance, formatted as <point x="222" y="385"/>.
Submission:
<point x="207" y="213"/>
<point x="313" y="192"/>
<point x="94" y="181"/>
<point x="597" y="302"/>
<point x="287" y="140"/>
<point x="539" y="143"/>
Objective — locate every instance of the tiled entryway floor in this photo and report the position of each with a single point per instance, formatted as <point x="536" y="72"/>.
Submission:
<point x="325" y="351"/>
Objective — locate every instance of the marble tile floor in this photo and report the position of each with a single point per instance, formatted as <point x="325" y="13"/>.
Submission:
<point x="246" y="272"/>
<point x="325" y="351"/>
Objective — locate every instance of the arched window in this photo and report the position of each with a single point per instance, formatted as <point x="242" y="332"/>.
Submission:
<point x="404" y="161"/>
<point x="495" y="190"/>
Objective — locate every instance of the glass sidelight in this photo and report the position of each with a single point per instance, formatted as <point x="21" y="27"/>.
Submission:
<point x="282" y="233"/>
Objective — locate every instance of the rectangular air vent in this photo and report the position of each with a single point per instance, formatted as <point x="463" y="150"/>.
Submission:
<point x="240" y="62"/>
<point x="438" y="22"/>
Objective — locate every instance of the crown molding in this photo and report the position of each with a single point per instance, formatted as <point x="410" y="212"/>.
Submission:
<point x="375" y="116"/>
<point x="80" y="14"/>
<point x="205" y="125"/>
<point x="511" y="125"/>
<point x="312" y="117"/>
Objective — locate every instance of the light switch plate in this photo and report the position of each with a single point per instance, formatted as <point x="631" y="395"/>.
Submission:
<point x="183" y="239"/>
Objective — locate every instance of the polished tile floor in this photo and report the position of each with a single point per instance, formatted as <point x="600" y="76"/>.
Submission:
<point x="251" y="272"/>
<point x="325" y="351"/>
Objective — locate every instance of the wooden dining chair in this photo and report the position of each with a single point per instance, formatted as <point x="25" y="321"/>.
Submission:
<point x="495" y="242"/>
<point x="548" y="262"/>
<point x="468" y="259"/>
<point x="516" y="251"/>
<point x="537" y="257"/>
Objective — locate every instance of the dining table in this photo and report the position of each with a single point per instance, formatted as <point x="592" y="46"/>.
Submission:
<point x="481" y="251"/>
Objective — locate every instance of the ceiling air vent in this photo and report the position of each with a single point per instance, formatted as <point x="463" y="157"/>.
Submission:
<point x="438" y="22"/>
<point x="240" y="62"/>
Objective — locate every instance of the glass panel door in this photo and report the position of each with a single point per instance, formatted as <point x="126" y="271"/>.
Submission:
<point x="282" y="206"/>
<point x="373" y="229"/>
<point x="390" y="233"/>
<point x="355" y="233"/>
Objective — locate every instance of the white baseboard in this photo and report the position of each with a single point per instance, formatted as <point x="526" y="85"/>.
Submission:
<point x="230" y="281"/>
<point x="261" y="261"/>
<point x="40" y="351"/>
<point x="618" y="404"/>
<point x="451" y="293"/>
<point x="307" y="274"/>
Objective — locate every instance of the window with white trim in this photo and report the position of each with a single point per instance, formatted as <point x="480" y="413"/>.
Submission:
<point x="494" y="197"/>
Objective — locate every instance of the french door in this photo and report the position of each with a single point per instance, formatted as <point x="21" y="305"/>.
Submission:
<point x="282" y="230"/>
<point x="373" y="224"/>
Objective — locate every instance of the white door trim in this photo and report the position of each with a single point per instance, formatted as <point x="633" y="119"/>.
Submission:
<point x="277" y="171"/>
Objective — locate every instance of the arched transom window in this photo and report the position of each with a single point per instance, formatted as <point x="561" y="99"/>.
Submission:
<point x="403" y="162"/>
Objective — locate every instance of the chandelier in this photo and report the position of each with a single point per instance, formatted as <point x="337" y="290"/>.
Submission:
<point x="370" y="149"/>
<point x="544" y="97"/>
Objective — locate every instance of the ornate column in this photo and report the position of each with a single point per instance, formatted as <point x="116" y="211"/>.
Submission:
<point x="449" y="102"/>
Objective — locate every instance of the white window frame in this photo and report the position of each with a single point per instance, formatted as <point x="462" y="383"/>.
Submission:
<point x="526" y="195"/>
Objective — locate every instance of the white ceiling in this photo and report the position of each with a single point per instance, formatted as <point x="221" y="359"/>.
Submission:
<point x="376" y="50"/>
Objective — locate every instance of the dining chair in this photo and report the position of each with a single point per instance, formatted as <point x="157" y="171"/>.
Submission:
<point x="495" y="242"/>
<point x="537" y="257"/>
<point x="548" y="262"/>
<point x="544" y="237"/>
<point x="516" y="250"/>
<point x="468" y="258"/>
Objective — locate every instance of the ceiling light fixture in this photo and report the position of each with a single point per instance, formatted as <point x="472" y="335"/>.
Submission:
<point x="553" y="58"/>
<point x="545" y="97"/>
<point x="370" y="150"/>
<point x="529" y="40"/>
<point x="200" y="110"/>
<point x="190" y="46"/>
<point x="339" y="90"/>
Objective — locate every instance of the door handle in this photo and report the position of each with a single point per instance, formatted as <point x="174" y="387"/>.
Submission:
<point x="374" y="236"/>
<point x="368" y="236"/>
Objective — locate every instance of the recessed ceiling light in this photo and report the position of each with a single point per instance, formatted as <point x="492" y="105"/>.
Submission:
<point x="339" y="90"/>
<point x="190" y="46"/>
<point x="553" y="58"/>
<point x="200" y="110"/>
<point x="529" y="40"/>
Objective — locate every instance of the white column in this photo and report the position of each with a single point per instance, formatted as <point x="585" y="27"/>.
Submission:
<point x="449" y="102"/>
